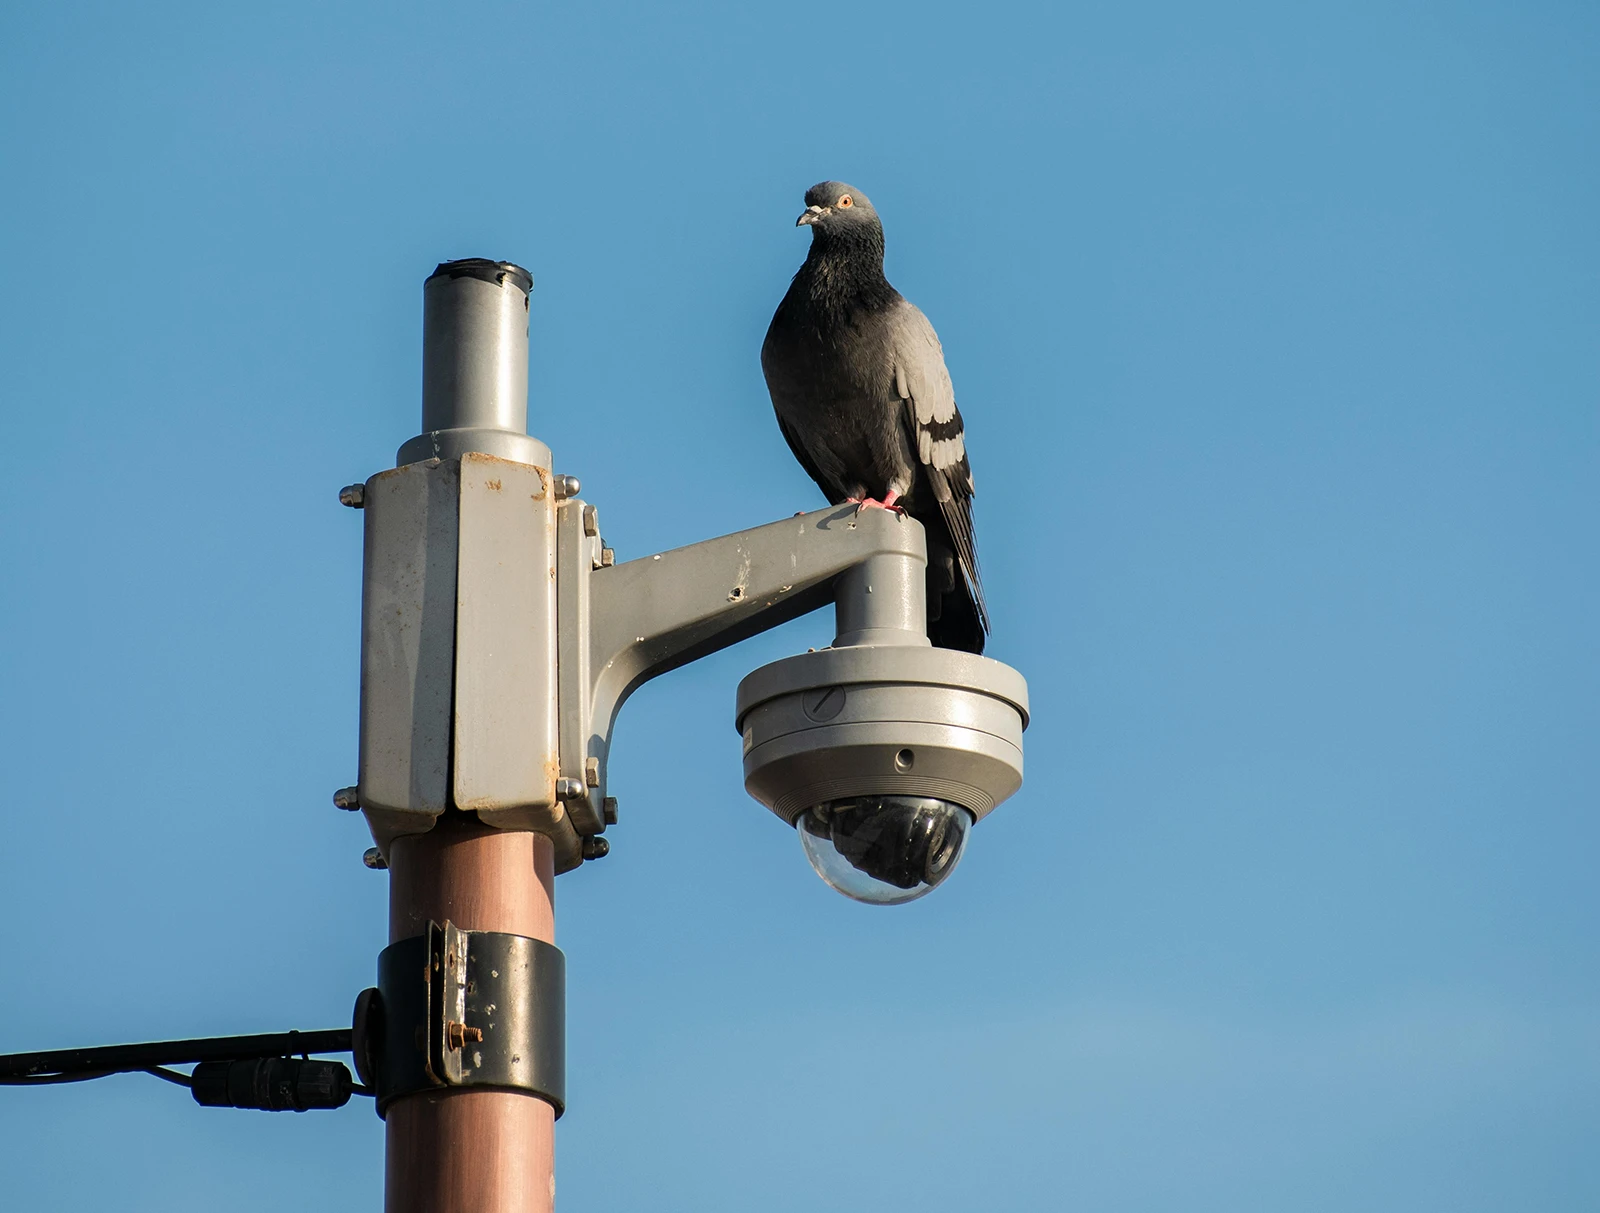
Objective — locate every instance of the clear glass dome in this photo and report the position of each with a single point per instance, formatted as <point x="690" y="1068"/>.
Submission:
<point x="884" y="850"/>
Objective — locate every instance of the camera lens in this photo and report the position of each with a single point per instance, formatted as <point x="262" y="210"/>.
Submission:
<point x="884" y="849"/>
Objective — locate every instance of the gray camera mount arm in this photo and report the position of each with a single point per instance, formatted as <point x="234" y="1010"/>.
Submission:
<point x="648" y="616"/>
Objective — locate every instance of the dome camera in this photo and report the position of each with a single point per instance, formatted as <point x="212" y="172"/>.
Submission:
<point x="883" y="757"/>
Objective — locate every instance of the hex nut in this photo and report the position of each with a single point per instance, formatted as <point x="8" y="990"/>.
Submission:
<point x="591" y="771"/>
<point x="591" y="521"/>
<point x="567" y="486"/>
<point x="570" y="789"/>
<point x="596" y="848"/>
<point x="348" y="799"/>
<point x="353" y="495"/>
<point x="608" y="811"/>
<point x="374" y="859"/>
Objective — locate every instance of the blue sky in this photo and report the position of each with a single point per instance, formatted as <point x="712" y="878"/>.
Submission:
<point x="1275" y="328"/>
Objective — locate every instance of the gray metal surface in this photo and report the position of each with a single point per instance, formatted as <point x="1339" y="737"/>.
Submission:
<point x="475" y="365"/>
<point x="882" y="720"/>
<point x="827" y="667"/>
<point x="475" y="346"/>
<point x="469" y="1009"/>
<point x="505" y="758"/>
<point x="655" y="614"/>
<point x="883" y="600"/>
<point x="577" y="554"/>
<point x="408" y="617"/>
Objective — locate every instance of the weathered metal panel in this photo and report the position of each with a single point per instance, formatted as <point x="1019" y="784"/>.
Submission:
<point x="408" y="618"/>
<point x="577" y="553"/>
<point x="505" y="672"/>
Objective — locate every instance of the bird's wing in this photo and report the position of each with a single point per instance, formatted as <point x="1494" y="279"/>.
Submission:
<point x="809" y="464"/>
<point x="934" y="423"/>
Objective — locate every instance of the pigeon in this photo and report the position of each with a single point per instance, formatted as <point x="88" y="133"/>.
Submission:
<point x="858" y="381"/>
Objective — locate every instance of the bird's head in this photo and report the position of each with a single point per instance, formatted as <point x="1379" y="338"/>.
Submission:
<point x="834" y="208"/>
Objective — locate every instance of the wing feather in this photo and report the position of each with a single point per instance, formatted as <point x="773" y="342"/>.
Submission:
<point x="938" y="436"/>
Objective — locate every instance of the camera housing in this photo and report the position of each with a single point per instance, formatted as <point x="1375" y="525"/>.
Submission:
<point x="879" y="754"/>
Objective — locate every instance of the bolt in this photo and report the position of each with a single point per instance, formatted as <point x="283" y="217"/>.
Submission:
<point x="374" y="859"/>
<point x="591" y="521"/>
<point x="566" y="486"/>
<point x="348" y="799"/>
<point x="570" y="789"/>
<point x="353" y="495"/>
<point x="457" y="1034"/>
<point x="607" y="558"/>
<point x="591" y="771"/>
<point x="596" y="848"/>
<point x="609" y="810"/>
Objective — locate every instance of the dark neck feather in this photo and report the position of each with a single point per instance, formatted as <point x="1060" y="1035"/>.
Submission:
<point x="843" y="271"/>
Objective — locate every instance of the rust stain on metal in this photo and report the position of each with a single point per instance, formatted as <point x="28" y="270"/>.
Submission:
<point x="493" y="484"/>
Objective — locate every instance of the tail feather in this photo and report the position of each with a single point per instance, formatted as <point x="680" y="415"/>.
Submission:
<point x="955" y="620"/>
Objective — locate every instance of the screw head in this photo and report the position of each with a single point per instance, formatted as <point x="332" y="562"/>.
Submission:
<point x="596" y="848"/>
<point x="353" y="495"/>
<point x="348" y="799"/>
<point x="823" y="703"/>
<point x="374" y="859"/>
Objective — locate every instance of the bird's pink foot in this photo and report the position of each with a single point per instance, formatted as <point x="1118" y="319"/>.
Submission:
<point x="872" y="503"/>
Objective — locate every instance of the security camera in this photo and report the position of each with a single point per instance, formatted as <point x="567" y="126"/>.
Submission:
<point x="883" y="756"/>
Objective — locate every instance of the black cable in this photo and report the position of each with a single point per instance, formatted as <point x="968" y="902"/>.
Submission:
<point x="174" y="1076"/>
<point x="49" y="1080"/>
<point x="155" y="1059"/>
<point x="76" y="1065"/>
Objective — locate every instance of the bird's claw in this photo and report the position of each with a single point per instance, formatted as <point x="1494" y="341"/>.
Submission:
<point x="888" y="503"/>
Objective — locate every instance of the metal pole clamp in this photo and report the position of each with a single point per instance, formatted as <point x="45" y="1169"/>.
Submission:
<point x="458" y="1008"/>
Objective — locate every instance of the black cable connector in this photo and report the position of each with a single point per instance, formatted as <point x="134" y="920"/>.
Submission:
<point x="271" y="1084"/>
<point x="230" y="1071"/>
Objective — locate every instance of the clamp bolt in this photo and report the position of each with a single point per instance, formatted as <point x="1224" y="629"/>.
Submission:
<point x="566" y="486"/>
<point x="570" y="789"/>
<point x="348" y="799"/>
<point x="608" y="810"/>
<point x="374" y="859"/>
<point x="591" y="521"/>
<point x="456" y="1034"/>
<point x="607" y="558"/>
<point x="591" y="771"/>
<point x="596" y="848"/>
<point x="353" y="495"/>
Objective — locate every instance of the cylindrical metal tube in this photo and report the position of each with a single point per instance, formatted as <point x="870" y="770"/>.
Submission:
<point x="475" y="346"/>
<point x="468" y="1150"/>
<point x="475" y="364"/>
<point x="882" y="600"/>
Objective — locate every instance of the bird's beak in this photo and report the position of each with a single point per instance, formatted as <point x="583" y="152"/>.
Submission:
<point x="812" y="214"/>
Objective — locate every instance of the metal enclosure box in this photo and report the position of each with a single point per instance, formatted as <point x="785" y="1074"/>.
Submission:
<point x="458" y="669"/>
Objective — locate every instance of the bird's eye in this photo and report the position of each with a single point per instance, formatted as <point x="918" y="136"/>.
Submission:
<point x="845" y="200"/>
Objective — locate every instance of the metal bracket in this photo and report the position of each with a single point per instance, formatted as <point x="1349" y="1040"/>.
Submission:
<point x="623" y="624"/>
<point x="461" y="1008"/>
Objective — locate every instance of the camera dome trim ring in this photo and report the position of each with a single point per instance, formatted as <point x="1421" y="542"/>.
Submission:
<point x="905" y="664"/>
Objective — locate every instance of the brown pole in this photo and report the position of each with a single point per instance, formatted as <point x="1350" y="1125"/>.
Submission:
<point x="466" y="1151"/>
